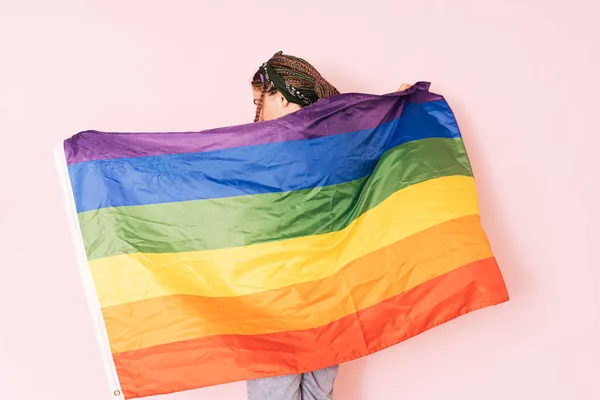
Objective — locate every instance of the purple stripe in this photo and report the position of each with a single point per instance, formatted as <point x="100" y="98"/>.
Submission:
<point x="339" y="114"/>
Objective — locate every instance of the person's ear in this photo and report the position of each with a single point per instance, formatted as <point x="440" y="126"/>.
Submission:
<point x="284" y="101"/>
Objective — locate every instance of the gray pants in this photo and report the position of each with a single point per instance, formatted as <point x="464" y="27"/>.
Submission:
<point x="317" y="385"/>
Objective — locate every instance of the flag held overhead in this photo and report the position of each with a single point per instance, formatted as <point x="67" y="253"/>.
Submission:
<point x="280" y="247"/>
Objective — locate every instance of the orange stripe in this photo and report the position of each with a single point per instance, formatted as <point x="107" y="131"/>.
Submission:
<point x="227" y="358"/>
<point x="360" y="284"/>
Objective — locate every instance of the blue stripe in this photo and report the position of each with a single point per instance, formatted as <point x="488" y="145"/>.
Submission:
<point x="274" y="167"/>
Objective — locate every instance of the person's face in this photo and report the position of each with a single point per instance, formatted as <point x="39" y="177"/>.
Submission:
<point x="274" y="105"/>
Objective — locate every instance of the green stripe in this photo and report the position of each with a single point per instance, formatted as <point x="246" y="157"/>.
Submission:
<point x="243" y="220"/>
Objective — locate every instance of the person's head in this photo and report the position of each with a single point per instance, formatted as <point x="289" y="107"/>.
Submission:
<point x="285" y="84"/>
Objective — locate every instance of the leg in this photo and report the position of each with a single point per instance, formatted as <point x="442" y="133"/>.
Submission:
<point x="318" y="385"/>
<point x="275" y="388"/>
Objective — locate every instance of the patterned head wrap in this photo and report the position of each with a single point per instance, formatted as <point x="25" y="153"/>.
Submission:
<point x="297" y="80"/>
<point x="291" y="94"/>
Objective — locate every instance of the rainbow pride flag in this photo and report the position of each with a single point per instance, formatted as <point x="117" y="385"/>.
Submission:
<point x="280" y="247"/>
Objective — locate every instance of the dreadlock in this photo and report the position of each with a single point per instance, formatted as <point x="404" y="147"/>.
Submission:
<point x="298" y="75"/>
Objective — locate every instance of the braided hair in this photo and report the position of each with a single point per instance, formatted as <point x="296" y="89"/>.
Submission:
<point x="294" y="77"/>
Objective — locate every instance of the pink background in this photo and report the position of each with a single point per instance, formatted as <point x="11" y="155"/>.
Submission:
<point x="521" y="76"/>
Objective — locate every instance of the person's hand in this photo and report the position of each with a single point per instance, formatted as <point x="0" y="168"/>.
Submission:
<point x="404" y="87"/>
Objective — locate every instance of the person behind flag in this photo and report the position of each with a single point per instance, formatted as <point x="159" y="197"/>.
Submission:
<point x="281" y="86"/>
<point x="285" y="84"/>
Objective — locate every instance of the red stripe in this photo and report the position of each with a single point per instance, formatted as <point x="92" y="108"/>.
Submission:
<point x="227" y="358"/>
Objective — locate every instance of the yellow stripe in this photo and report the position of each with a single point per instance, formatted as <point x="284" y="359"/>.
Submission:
<point x="272" y="265"/>
<point x="363" y="283"/>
